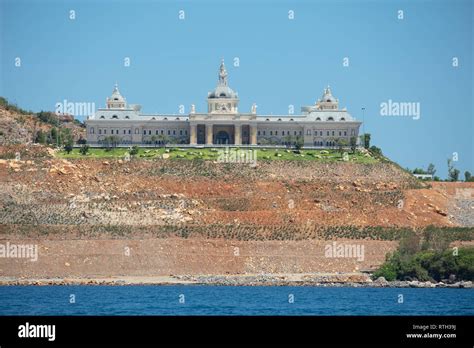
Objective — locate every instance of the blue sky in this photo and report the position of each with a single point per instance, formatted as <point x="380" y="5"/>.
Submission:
<point x="282" y="62"/>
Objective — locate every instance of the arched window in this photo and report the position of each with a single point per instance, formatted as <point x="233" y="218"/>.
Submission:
<point x="279" y="119"/>
<point x="127" y="117"/>
<point x="115" y="116"/>
<point x="330" y="118"/>
<point x="291" y="119"/>
<point x="177" y="118"/>
<point x="91" y="130"/>
<point x="102" y="117"/>
<point x="137" y="131"/>
<point x="165" y="119"/>
<point x="342" y="119"/>
<point x="153" y="118"/>
<point x="267" y="119"/>
<point x="318" y="118"/>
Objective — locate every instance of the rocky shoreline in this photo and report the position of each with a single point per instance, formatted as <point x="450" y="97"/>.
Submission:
<point x="332" y="280"/>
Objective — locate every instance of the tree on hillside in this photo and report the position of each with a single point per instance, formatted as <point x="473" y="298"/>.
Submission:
<point x="453" y="173"/>
<point x="154" y="139"/>
<point x="365" y="140"/>
<point x="110" y="142"/>
<point x="84" y="149"/>
<point x="419" y="171"/>
<point x="299" y="143"/>
<point x="431" y="169"/>
<point x="377" y="151"/>
<point x="133" y="150"/>
<point x="468" y="176"/>
<point x="164" y="139"/>
<point x="54" y="137"/>
<point x="341" y="144"/>
<point x="353" y="143"/>
<point x="48" y="117"/>
<point x="68" y="147"/>
<point x="40" y="137"/>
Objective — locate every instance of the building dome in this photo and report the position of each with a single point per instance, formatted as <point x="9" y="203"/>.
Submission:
<point x="327" y="96"/>
<point x="116" y="100"/>
<point x="223" y="92"/>
<point x="116" y="96"/>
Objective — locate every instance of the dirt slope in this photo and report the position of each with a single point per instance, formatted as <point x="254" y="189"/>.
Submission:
<point x="181" y="217"/>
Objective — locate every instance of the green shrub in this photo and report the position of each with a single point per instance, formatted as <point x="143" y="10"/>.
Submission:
<point x="84" y="149"/>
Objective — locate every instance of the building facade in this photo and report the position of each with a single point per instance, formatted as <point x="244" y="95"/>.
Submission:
<point x="320" y="125"/>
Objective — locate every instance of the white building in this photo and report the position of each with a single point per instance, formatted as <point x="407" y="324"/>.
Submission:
<point x="322" y="124"/>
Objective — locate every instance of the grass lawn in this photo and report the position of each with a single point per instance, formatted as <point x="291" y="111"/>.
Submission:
<point x="213" y="154"/>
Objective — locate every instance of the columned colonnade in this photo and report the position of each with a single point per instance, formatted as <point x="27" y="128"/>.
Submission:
<point x="210" y="134"/>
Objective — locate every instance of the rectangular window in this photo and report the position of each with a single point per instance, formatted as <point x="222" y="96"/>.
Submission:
<point x="308" y="132"/>
<point x="174" y="132"/>
<point x="332" y="133"/>
<point x="100" y="131"/>
<point x="144" y="132"/>
<point x="124" y="131"/>
<point x="340" y="133"/>
<point x="169" y="132"/>
<point x="156" y="132"/>
<point x="181" y="132"/>
<point x="129" y="131"/>
<point x="327" y="133"/>
<point x="321" y="133"/>
<point x="276" y="132"/>
<point x="111" y="131"/>
<point x="137" y="131"/>
<point x="264" y="133"/>
<point x="294" y="133"/>
<point x="345" y="133"/>
<point x="105" y="131"/>
<point x="162" y="132"/>
<point x="271" y="132"/>
<point x="149" y="132"/>
<point x="301" y="132"/>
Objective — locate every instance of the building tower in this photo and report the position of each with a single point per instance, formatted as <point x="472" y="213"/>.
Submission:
<point x="223" y="100"/>
<point x="116" y="101"/>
